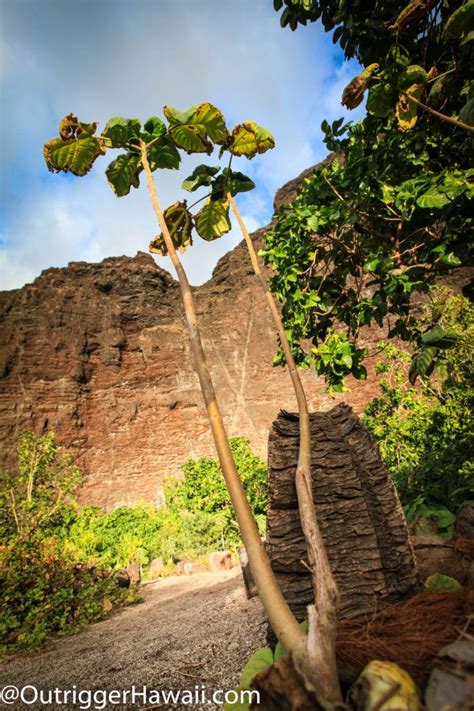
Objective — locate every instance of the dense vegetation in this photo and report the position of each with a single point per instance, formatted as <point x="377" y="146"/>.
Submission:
<point x="391" y="211"/>
<point x="43" y="590"/>
<point x="58" y="560"/>
<point x="426" y="433"/>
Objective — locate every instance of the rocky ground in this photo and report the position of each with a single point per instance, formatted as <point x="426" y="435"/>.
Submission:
<point x="191" y="632"/>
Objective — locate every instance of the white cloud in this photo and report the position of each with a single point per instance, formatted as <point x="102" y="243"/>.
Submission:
<point x="128" y="58"/>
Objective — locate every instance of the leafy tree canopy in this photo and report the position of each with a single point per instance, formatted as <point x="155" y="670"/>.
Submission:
<point x="392" y="210"/>
<point x="197" y="130"/>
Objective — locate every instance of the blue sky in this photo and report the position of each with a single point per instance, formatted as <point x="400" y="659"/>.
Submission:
<point x="102" y="58"/>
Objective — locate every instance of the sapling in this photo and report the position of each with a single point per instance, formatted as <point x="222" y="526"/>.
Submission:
<point x="156" y="146"/>
<point x="322" y="616"/>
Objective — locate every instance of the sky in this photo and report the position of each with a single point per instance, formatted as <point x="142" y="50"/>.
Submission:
<point x="103" y="58"/>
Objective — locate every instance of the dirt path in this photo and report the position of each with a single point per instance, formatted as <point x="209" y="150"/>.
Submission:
<point x="193" y="631"/>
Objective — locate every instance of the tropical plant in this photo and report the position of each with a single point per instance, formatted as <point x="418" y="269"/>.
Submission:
<point x="44" y="591"/>
<point x="203" y="491"/>
<point x="425" y="433"/>
<point x="39" y="494"/>
<point x="391" y="211"/>
<point x="156" y="146"/>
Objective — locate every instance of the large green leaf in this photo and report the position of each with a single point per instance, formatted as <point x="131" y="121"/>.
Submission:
<point x="76" y="155"/>
<point x="196" y="129"/>
<point x="213" y="121"/>
<point x="202" y="175"/>
<point x="154" y="126"/>
<point x="230" y="181"/>
<point x="213" y="220"/>
<point x="422" y="363"/>
<point x="441" y="583"/>
<point x="123" y="172"/>
<point x="259" y="661"/>
<point x="121" y="130"/>
<point x="180" y="225"/>
<point x="439" y="338"/>
<point x="248" y="139"/>
<point x="381" y="99"/>
<point x="163" y="154"/>
<point x="433" y="198"/>
<point x="414" y="74"/>
<point x="460" y="22"/>
<point x="406" y="110"/>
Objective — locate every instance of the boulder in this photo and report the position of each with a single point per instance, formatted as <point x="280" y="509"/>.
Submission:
<point x="135" y="572"/>
<point x="437" y="555"/>
<point x="220" y="560"/>
<point x="451" y="684"/>
<point x="189" y="567"/>
<point x="464" y="526"/>
<point x="156" y="566"/>
<point x="122" y="578"/>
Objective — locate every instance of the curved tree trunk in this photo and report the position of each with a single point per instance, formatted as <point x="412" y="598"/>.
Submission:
<point x="322" y="617"/>
<point x="281" y="618"/>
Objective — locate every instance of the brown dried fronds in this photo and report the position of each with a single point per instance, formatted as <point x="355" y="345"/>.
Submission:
<point x="410" y="633"/>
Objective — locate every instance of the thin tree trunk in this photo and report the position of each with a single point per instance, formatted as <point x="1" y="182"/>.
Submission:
<point x="279" y="614"/>
<point x="322" y="617"/>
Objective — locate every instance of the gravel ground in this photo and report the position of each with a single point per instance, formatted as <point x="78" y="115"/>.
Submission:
<point x="194" y="632"/>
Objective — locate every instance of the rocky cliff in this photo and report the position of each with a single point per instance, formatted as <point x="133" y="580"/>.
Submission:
<point x="98" y="353"/>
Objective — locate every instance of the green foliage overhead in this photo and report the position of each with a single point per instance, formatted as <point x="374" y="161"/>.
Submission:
<point x="230" y="181"/>
<point x="122" y="173"/>
<point x="75" y="150"/>
<point x="392" y="211"/>
<point x="120" y="131"/>
<point x="196" y="130"/>
<point x="248" y="139"/>
<point x="202" y="175"/>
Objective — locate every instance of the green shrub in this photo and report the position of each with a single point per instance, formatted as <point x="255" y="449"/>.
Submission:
<point x="114" y="539"/>
<point x="57" y="561"/>
<point x="203" y="490"/>
<point x="425" y="433"/>
<point x="43" y="590"/>
<point x="43" y="593"/>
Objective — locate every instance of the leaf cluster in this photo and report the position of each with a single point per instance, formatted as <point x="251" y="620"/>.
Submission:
<point x="392" y="211"/>
<point x="197" y="130"/>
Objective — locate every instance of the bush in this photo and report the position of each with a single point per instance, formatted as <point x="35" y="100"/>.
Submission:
<point x="425" y="433"/>
<point x="44" y="593"/>
<point x="203" y="490"/>
<point x="43" y="590"/>
<point x="57" y="561"/>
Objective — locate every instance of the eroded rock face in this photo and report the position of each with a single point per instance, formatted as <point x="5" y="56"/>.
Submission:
<point x="99" y="354"/>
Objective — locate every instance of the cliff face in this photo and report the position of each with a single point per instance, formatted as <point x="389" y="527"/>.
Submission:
<point x="99" y="354"/>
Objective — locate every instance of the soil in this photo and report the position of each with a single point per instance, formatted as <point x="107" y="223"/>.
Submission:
<point x="193" y="632"/>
